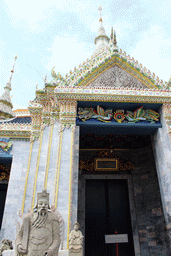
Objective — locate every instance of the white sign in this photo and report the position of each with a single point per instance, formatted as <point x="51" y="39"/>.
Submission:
<point x="113" y="239"/>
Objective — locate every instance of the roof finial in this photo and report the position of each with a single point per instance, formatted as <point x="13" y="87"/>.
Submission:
<point x="10" y="78"/>
<point x="100" y="9"/>
<point x="115" y="42"/>
<point x="111" y="36"/>
<point x="101" y="40"/>
<point x="37" y="86"/>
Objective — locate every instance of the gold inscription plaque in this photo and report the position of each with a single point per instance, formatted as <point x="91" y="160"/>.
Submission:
<point x="106" y="164"/>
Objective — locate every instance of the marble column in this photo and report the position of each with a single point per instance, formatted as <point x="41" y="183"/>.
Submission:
<point x="162" y="154"/>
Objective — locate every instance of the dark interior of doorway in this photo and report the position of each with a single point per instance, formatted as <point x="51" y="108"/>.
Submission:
<point x="111" y="141"/>
<point x="5" y="166"/>
<point x="107" y="211"/>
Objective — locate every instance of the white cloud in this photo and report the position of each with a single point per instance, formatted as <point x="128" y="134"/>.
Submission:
<point x="18" y="106"/>
<point x="6" y="64"/>
<point x="31" y="15"/>
<point x="163" y="8"/>
<point x="154" y="51"/>
<point x="122" y="29"/>
<point x="36" y="15"/>
<point x="67" y="52"/>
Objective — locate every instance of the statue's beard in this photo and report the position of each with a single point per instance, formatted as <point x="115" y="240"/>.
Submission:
<point x="40" y="218"/>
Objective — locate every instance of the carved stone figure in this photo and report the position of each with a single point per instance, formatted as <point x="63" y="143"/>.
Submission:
<point x="6" y="245"/>
<point x="76" y="241"/>
<point x="39" y="234"/>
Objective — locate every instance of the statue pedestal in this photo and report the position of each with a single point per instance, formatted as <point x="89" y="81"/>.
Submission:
<point x="75" y="253"/>
<point x="61" y="253"/>
<point x="8" y="253"/>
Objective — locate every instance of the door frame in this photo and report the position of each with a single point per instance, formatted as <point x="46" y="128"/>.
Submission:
<point x="131" y="202"/>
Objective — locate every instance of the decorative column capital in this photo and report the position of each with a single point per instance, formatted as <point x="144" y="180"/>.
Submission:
<point x="36" y="110"/>
<point x="68" y="113"/>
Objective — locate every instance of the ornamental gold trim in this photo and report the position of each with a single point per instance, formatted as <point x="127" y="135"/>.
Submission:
<point x="57" y="173"/>
<point x="27" y="175"/>
<point x="70" y="188"/>
<point x="48" y="156"/>
<point x="97" y="160"/>
<point x="36" y="172"/>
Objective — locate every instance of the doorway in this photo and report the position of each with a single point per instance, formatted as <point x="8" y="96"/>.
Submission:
<point x="107" y="210"/>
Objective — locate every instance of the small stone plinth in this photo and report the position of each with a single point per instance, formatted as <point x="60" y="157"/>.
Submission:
<point x="8" y="253"/>
<point x="63" y="253"/>
<point x="75" y="252"/>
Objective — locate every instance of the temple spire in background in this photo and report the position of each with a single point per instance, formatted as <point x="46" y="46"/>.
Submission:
<point x="5" y="99"/>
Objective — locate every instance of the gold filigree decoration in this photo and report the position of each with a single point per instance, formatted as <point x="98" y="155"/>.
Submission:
<point x="4" y="173"/>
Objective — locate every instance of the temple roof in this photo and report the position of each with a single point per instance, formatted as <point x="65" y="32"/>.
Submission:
<point x="107" y="56"/>
<point x="21" y="116"/>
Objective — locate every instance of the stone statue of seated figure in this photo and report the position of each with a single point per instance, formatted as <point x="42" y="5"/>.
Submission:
<point x="76" y="241"/>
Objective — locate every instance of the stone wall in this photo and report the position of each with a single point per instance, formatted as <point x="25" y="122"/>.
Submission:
<point x="150" y="217"/>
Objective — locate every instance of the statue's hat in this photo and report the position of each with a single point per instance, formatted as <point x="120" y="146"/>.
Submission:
<point x="43" y="195"/>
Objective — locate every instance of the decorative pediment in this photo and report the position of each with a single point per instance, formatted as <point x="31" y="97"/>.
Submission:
<point x="111" y="68"/>
<point x="116" y="77"/>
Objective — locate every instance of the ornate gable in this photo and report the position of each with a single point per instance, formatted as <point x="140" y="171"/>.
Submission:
<point x="113" y="69"/>
<point x="116" y="77"/>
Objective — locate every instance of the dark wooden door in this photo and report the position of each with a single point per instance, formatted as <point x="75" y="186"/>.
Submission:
<point x="107" y="210"/>
<point x="3" y="192"/>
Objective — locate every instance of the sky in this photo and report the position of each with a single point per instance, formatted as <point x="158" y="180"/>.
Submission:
<point x="57" y="33"/>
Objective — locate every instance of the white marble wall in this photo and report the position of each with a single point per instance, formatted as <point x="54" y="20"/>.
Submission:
<point x="53" y="162"/>
<point x="43" y="160"/>
<point x="63" y="194"/>
<point x="20" y="152"/>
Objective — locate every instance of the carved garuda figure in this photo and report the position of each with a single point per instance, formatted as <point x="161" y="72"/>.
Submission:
<point x="39" y="234"/>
